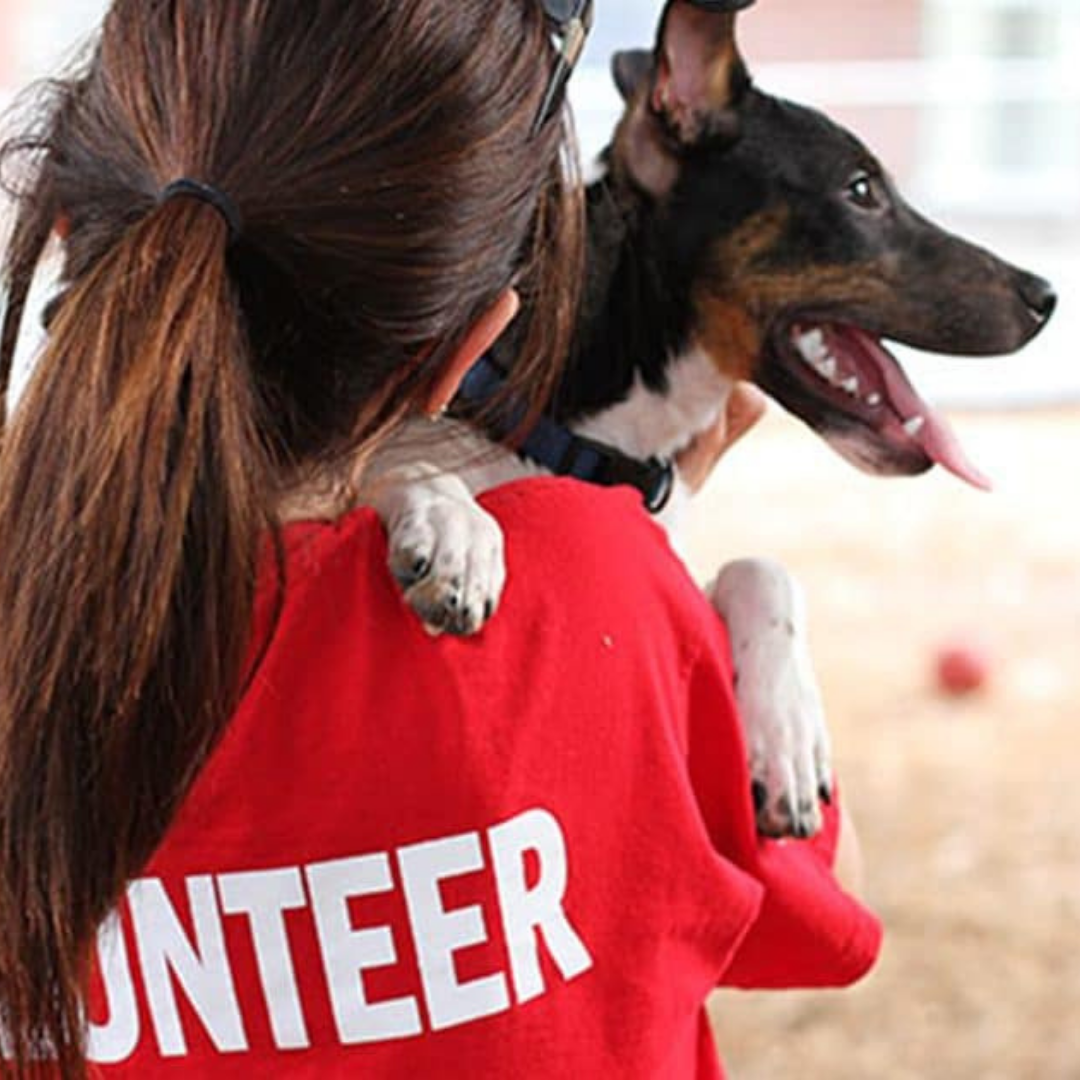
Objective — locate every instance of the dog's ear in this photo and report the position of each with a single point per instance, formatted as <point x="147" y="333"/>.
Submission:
<point x="684" y="93"/>
<point x="630" y="70"/>
<point x="700" y="76"/>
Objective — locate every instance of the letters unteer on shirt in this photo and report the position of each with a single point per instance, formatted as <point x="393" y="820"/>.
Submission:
<point x="199" y="967"/>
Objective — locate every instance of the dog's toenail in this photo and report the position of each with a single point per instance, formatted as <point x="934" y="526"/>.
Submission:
<point x="409" y="574"/>
<point x="435" y="618"/>
<point x="825" y="793"/>
<point x="761" y="795"/>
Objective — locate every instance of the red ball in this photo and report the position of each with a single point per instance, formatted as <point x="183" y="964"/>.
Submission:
<point x="962" y="669"/>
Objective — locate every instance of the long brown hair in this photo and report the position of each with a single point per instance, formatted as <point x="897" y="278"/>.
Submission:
<point x="379" y="156"/>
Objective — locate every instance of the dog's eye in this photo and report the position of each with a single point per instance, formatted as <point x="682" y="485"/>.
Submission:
<point x="865" y="192"/>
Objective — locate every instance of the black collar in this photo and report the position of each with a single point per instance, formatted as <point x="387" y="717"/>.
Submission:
<point x="557" y="448"/>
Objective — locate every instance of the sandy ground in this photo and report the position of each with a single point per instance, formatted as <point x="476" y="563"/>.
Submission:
<point x="969" y="810"/>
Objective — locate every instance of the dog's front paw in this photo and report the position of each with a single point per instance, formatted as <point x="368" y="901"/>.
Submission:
<point x="790" y="760"/>
<point x="778" y="696"/>
<point x="445" y="551"/>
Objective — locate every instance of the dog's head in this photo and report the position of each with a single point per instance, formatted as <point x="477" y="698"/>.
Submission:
<point x="803" y="253"/>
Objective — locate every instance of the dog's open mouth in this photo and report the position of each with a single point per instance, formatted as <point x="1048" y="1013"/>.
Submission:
<point x="847" y="386"/>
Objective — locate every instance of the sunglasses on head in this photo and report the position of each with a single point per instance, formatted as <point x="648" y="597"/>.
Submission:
<point x="571" y="21"/>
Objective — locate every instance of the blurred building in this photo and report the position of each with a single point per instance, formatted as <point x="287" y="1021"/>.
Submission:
<point x="974" y="105"/>
<point x="977" y="101"/>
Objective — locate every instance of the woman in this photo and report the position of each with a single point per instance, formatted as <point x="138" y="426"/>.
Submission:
<point x="335" y="847"/>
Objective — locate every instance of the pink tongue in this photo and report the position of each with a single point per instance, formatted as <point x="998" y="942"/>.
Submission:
<point x="939" y="441"/>
<point x="936" y="437"/>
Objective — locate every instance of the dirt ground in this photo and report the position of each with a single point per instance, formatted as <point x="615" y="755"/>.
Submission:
<point x="968" y="810"/>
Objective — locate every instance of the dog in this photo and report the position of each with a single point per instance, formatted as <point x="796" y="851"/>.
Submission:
<point x="734" y="236"/>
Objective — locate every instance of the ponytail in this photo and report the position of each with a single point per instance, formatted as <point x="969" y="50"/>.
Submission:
<point x="131" y="495"/>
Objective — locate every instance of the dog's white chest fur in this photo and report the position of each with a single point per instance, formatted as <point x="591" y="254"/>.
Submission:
<point x="652" y="423"/>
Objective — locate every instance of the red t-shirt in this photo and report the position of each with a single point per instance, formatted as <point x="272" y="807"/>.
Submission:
<point x="529" y="854"/>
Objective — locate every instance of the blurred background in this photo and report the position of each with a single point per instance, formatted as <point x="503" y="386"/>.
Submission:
<point x="968" y="804"/>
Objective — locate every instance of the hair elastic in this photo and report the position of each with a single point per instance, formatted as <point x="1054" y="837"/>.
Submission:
<point x="195" y="189"/>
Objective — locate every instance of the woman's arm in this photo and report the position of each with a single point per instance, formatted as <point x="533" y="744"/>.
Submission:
<point x="810" y="931"/>
<point x="848" y="863"/>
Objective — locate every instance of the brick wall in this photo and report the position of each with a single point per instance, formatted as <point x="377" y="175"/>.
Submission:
<point x="824" y="30"/>
<point x="833" y="29"/>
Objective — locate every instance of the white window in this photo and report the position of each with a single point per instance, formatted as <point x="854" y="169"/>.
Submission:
<point x="1003" y="135"/>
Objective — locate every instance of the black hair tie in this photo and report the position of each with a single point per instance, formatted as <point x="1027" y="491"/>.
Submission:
<point x="194" y="189"/>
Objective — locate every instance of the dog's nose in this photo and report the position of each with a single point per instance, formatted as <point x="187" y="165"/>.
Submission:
<point x="1039" y="296"/>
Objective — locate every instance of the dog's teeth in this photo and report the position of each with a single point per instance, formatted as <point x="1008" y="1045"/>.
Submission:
<point x="827" y="369"/>
<point x="874" y="400"/>
<point x="850" y="386"/>
<point x="812" y="344"/>
<point x="915" y="425"/>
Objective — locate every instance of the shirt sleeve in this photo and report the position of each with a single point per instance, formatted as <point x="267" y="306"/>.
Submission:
<point x="809" y="932"/>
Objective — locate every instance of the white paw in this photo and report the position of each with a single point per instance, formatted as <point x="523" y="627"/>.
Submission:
<point x="445" y="551"/>
<point x="778" y="696"/>
<point x="790" y="756"/>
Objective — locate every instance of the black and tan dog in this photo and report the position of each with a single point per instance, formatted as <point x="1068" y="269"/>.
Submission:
<point x="735" y="236"/>
<point x="767" y="237"/>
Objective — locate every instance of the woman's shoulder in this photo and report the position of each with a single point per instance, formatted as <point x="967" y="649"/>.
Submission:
<point x="563" y="539"/>
<point x="552" y="517"/>
<point x="594" y="539"/>
<point x="583" y="514"/>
